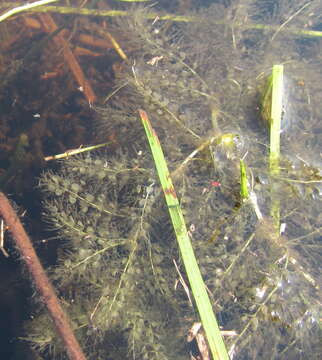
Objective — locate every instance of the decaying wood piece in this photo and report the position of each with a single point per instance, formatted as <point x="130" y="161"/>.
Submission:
<point x="41" y="281"/>
<point x="50" y="26"/>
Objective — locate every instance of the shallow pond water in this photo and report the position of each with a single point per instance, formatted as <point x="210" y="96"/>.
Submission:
<point x="198" y="80"/>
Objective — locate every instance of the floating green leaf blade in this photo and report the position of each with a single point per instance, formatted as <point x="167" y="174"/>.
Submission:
<point x="275" y="131"/>
<point x="276" y="116"/>
<point x="207" y="316"/>
<point x="244" y="194"/>
<point x="24" y="7"/>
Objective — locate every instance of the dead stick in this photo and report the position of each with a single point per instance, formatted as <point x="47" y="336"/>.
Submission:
<point x="40" y="279"/>
<point x="50" y="26"/>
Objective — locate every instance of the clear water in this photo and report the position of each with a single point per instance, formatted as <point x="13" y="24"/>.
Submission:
<point x="197" y="80"/>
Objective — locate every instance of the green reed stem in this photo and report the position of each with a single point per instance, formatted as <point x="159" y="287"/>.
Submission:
<point x="275" y="131"/>
<point x="24" y="7"/>
<point x="200" y="294"/>
<point x="153" y="15"/>
<point x="244" y="193"/>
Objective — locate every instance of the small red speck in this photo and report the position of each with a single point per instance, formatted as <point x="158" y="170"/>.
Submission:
<point x="215" y="183"/>
<point x="171" y="191"/>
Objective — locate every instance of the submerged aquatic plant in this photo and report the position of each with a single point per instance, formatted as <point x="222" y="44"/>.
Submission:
<point x="198" y="82"/>
<point x="112" y="275"/>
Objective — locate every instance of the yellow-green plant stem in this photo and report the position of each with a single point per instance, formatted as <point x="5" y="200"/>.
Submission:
<point x="244" y="194"/>
<point x="152" y="15"/>
<point x="275" y="131"/>
<point x="72" y="152"/>
<point x="208" y="319"/>
<point x="276" y="117"/>
<point x="25" y="7"/>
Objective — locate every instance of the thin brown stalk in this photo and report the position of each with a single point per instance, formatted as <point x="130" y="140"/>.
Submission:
<point x="43" y="285"/>
<point x="50" y="26"/>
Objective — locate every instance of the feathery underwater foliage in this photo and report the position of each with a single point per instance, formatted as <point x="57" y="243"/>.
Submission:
<point x="115" y="269"/>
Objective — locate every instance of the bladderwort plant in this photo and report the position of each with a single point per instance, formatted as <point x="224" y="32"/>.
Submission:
<point x="115" y="272"/>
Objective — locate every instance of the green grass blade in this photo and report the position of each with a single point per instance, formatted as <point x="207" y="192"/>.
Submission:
<point x="244" y="194"/>
<point x="207" y="316"/>
<point x="275" y="132"/>
<point x="276" y="116"/>
<point x="25" y="7"/>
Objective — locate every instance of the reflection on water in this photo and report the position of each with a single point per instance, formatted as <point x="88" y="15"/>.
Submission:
<point x="197" y="80"/>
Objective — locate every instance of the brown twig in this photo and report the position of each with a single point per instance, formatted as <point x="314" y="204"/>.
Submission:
<point x="40" y="279"/>
<point x="49" y="25"/>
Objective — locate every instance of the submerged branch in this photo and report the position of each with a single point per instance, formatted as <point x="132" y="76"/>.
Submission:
<point x="46" y="291"/>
